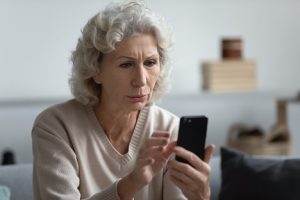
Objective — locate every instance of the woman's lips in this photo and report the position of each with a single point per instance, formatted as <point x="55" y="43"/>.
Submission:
<point x="138" y="98"/>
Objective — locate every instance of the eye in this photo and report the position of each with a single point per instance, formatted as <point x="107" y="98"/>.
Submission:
<point x="126" y="65"/>
<point x="150" y="63"/>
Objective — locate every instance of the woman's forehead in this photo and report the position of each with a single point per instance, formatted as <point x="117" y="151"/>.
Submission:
<point x="145" y="45"/>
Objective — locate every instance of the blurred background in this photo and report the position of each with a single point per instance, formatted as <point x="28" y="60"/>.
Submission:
<point x="37" y="37"/>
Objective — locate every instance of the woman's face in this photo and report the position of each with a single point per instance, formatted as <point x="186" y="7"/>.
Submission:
<point x="128" y="74"/>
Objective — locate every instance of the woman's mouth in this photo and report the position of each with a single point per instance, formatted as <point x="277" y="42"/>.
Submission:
<point x="138" y="98"/>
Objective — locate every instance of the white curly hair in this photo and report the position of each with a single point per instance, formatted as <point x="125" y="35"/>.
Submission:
<point x="100" y="35"/>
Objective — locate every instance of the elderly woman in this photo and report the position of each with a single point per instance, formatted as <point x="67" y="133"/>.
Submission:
<point x="111" y="141"/>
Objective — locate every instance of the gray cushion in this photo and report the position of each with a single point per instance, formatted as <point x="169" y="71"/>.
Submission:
<point x="18" y="178"/>
<point x="251" y="177"/>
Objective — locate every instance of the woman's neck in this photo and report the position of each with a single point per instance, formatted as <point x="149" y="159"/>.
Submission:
<point x="117" y="125"/>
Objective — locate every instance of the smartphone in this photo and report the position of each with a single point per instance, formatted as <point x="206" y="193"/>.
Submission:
<point x="192" y="135"/>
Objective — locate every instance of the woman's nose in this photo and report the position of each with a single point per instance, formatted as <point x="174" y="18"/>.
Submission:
<point x="139" y="77"/>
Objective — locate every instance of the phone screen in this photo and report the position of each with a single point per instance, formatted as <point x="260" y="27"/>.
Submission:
<point x="192" y="135"/>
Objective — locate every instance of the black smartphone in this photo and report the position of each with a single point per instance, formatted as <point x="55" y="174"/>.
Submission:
<point x="192" y="135"/>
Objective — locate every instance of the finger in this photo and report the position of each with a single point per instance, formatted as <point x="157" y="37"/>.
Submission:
<point x="156" y="141"/>
<point x="179" y="183"/>
<point x="145" y="161"/>
<point x="189" y="156"/>
<point x="169" y="149"/>
<point x="151" y="152"/>
<point x="187" y="170"/>
<point x="166" y="150"/>
<point x="158" y="138"/>
<point x="180" y="176"/>
<point x="164" y="153"/>
<point x="209" y="153"/>
<point x="161" y="134"/>
<point x="159" y="153"/>
<point x="193" y="159"/>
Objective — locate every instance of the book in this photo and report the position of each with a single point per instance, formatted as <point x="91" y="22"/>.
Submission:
<point x="229" y="75"/>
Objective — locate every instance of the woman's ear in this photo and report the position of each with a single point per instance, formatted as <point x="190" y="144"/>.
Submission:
<point x="97" y="78"/>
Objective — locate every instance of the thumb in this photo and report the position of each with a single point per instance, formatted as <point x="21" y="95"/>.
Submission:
<point x="209" y="150"/>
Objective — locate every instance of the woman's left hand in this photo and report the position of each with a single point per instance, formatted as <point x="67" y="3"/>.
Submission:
<point x="194" y="179"/>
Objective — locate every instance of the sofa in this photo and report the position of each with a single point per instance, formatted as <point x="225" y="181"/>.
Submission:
<point x="243" y="177"/>
<point x="18" y="178"/>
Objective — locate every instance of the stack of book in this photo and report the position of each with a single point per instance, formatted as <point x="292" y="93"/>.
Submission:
<point x="229" y="75"/>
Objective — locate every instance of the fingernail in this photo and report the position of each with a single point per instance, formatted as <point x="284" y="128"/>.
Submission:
<point x="176" y="149"/>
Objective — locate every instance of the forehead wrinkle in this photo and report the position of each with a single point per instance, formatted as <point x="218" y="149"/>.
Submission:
<point x="154" y="55"/>
<point x="137" y="47"/>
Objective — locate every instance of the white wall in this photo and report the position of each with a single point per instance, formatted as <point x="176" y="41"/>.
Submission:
<point x="37" y="36"/>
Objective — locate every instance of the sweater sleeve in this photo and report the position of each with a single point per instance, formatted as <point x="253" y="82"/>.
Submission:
<point x="56" y="171"/>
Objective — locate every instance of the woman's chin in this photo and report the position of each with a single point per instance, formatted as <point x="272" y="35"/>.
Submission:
<point x="138" y="103"/>
<point x="138" y="106"/>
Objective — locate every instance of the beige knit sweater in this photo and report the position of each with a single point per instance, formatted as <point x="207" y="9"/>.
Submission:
<point x="73" y="158"/>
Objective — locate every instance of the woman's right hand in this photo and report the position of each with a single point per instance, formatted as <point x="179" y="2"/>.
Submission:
<point x="153" y="155"/>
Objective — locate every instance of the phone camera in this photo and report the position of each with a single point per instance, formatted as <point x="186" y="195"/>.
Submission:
<point x="187" y="120"/>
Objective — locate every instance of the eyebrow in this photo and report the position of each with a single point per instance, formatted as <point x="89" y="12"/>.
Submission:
<point x="132" y="58"/>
